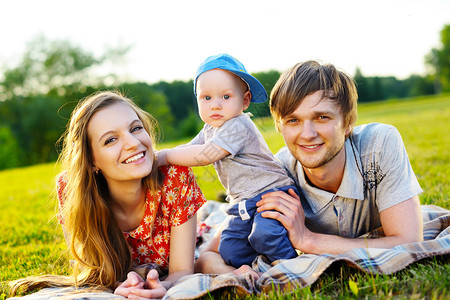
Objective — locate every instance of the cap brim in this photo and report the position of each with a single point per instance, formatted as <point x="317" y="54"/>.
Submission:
<point x="258" y="91"/>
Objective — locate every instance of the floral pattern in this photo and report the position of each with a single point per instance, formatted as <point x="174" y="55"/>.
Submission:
<point x="175" y="203"/>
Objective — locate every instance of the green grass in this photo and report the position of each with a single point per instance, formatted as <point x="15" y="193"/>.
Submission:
<point x="31" y="241"/>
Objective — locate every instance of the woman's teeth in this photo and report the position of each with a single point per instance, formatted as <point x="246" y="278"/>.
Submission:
<point x="134" y="158"/>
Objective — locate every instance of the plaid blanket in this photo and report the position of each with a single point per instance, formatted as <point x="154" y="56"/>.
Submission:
<point x="289" y="274"/>
<point x="305" y="269"/>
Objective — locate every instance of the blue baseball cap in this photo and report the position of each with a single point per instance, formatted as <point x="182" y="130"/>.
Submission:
<point x="229" y="63"/>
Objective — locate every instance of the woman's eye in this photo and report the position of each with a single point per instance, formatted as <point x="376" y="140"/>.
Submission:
<point x="207" y="97"/>
<point x="226" y="97"/>
<point x="323" y="117"/>
<point x="291" y="121"/>
<point x="110" y="140"/>
<point x="136" y="128"/>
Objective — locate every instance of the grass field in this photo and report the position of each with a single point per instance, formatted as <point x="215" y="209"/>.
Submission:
<point x="31" y="241"/>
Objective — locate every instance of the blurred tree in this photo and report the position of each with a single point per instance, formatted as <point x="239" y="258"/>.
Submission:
<point x="362" y="86"/>
<point x="381" y="88"/>
<point x="376" y="88"/>
<point x="9" y="150"/>
<point x="190" y="126"/>
<point x="40" y="127"/>
<point x="155" y="102"/>
<point x="53" y="65"/>
<point x="439" y="61"/>
<point x="391" y="88"/>
<point x="418" y="85"/>
<point x="268" y="80"/>
<point x="180" y="96"/>
<point x="35" y="126"/>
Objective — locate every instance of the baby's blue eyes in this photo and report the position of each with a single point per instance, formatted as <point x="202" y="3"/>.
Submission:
<point x="226" y="97"/>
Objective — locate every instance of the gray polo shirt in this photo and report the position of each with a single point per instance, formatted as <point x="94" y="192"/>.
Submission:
<point x="377" y="175"/>
<point x="250" y="168"/>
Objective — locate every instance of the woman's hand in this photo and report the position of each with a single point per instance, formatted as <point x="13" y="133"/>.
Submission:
<point x="133" y="281"/>
<point x="136" y="288"/>
<point x="286" y="208"/>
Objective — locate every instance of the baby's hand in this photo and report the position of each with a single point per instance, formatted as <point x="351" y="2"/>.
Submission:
<point x="247" y="269"/>
<point x="161" y="159"/>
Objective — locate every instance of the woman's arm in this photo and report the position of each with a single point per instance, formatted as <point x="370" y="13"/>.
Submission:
<point x="191" y="155"/>
<point x="182" y="247"/>
<point x="402" y="223"/>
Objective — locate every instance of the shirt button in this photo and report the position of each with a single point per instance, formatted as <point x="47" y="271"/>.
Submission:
<point x="341" y="218"/>
<point x="344" y="232"/>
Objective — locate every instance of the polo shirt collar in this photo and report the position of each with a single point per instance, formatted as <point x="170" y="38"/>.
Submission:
<point x="352" y="185"/>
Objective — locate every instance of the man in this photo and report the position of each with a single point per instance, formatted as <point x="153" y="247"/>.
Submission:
<point x="351" y="181"/>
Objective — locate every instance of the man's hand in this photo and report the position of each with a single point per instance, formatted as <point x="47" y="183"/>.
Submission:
<point x="286" y="208"/>
<point x="402" y="223"/>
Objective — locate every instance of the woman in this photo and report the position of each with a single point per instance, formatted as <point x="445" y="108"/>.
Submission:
<point x="117" y="208"/>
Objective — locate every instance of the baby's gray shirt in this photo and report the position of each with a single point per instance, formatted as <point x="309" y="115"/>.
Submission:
<point x="250" y="168"/>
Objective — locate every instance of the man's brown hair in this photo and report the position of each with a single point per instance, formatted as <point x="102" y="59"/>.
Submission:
<point x="308" y="77"/>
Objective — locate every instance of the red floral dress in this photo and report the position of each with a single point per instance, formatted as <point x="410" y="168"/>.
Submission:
<point x="175" y="203"/>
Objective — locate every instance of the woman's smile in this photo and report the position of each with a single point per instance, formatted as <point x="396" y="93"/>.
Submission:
<point x="135" y="158"/>
<point x="128" y="151"/>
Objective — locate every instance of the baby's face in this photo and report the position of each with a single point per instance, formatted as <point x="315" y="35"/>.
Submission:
<point x="221" y="95"/>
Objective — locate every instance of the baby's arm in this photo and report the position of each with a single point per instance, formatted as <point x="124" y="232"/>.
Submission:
<point x="191" y="155"/>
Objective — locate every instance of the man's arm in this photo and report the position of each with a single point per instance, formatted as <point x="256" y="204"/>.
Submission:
<point x="402" y="223"/>
<point x="191" y="155"/>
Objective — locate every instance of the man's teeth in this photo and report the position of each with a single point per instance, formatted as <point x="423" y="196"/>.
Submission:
<point x="311" y="147"/>
<point x="134" y="158"/>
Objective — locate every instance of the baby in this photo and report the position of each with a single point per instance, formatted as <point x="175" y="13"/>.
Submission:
<point x="243" y="162"/>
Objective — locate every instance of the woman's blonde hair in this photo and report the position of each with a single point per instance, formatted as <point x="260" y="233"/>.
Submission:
<point x="101" y="252"/>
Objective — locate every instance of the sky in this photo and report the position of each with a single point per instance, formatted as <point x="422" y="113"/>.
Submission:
<point x="170" y="38"/>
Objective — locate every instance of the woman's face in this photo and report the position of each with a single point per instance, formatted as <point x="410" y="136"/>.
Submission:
<point x="121" y="148"/>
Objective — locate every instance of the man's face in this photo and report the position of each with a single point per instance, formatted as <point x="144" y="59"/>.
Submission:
<point x="315" y="132"/>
